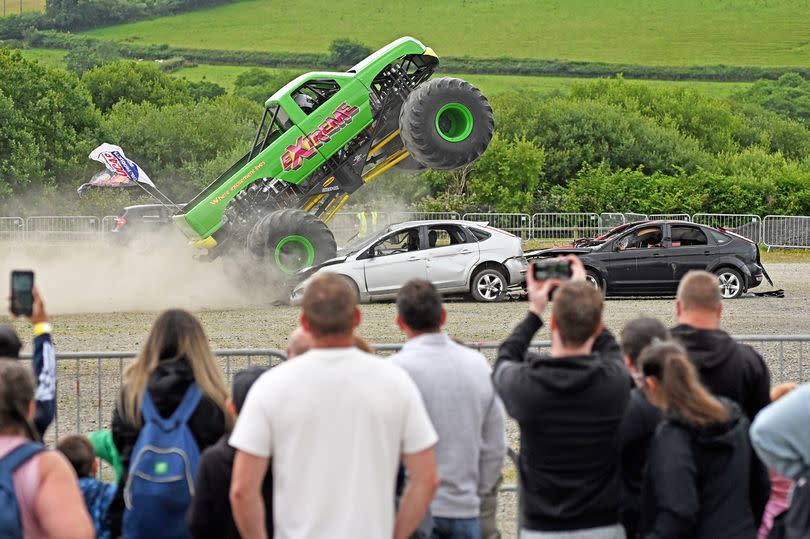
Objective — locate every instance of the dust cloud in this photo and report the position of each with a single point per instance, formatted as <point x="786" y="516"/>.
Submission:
<point x="150" y="274"/>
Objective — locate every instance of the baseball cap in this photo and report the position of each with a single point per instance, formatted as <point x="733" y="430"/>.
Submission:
<point x="242" y="382"/>
<point x="9" y="343"/>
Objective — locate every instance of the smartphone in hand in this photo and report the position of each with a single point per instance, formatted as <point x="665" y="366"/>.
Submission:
<point x="551" y="268"/>
<point x="22" y="293"/>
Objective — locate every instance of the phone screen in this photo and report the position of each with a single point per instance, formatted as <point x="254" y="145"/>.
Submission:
<point x="22" y="295"/>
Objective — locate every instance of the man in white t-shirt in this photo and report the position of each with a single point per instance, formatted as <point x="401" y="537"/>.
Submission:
<point x="336" y="422"/>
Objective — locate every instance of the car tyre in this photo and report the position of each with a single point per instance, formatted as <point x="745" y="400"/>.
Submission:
<point x="488" y="286"/>
<point x="731" y="283"/>
<point x="595" y="280"/>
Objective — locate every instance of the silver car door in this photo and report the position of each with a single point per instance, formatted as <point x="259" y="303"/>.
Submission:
<point x="397" y="259"/>
<point x="450" y="257"/>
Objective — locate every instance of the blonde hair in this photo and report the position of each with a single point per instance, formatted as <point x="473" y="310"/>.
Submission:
<point x="685" y="396"/>
<point x="175" y="334"/>
<point x="16" y="395"/>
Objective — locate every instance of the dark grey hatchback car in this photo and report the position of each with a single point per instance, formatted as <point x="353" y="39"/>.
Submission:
<point x="651" y="257"/>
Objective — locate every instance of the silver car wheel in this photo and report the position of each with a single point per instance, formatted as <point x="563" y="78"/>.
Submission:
<point x="729" y="284"/>
<point x="490" y="286"/>
<point x="592" y="281"/>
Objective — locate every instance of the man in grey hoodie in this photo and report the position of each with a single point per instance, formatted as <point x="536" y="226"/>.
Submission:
<point x="468" y="416"/>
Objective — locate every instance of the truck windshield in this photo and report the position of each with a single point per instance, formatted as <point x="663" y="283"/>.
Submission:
<point x="275" y="123"/>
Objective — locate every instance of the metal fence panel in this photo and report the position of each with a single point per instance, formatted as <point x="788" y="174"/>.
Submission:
<point x="670" y="217"/>
<point x="565" y="226"/>
<point x="55" y="228"/>
<point x="610" y="220"/>
<point x="792" y="231"/>
<point x="631" y="217"/>
<point x="12" y="229"/>
<point x="519" y="224"/>
<point x="108" y="223"/>
<point x="744" y="224"/>
<point x="403" y="216"/>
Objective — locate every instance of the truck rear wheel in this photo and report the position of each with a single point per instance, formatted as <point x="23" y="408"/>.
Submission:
<point x="291" y="240"/>
<point x="446" y="123"/>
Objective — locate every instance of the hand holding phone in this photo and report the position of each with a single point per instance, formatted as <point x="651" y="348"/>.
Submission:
<point x="22" y="293"/>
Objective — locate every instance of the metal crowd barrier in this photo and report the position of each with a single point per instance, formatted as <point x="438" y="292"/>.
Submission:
<point x="88" y="382"/>
<point x="519" y="224"/>
<point x="791" y="231"/>
<point x="783" y="231"/>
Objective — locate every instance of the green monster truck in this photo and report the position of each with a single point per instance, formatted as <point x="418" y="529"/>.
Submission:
<point x="322" y="137"/>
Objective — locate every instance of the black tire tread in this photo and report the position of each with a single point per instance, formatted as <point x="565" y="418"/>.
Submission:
<point x="271" y="228"/>
<point x="413" y="119"/>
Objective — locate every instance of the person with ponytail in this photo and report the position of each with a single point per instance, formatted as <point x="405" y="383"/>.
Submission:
<point x="46" y="499"/>
<point x="175" y="356"/>
<point x="699" y="470"/>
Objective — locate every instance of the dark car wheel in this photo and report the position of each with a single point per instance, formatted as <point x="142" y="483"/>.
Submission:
<point x="731" y="283"/>
<point x="593" y="278"/>
<point x="488" y="285"/>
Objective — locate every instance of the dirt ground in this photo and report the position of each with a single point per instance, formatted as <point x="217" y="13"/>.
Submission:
<point x="88" y="388"/>
<point x="268" y="327"/>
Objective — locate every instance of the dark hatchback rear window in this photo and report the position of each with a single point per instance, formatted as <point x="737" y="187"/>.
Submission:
<point x="719" y="237"/>
<point x="685" y="236"/>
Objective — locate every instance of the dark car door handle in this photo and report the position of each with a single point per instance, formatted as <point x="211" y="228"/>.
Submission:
<point x="656" y="255"/>
<point x="707" y="252"/>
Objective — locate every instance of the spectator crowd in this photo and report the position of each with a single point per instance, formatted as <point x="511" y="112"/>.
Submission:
<point x="659" y="433"/>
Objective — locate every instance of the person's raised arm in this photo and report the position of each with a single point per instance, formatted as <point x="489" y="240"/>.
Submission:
<point x="514" y="347"/>
<point x="59" y="506"/>
<point x="423" y="480"/>
<point x="247" y="503"/>
<point x="44" y="363"/>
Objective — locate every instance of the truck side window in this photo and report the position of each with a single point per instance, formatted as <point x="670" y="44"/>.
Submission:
<point x="314" y="93"/>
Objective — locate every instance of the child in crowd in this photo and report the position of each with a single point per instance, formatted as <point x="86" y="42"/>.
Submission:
<point x="105" y="449"/>
<point x="97" y="495"/>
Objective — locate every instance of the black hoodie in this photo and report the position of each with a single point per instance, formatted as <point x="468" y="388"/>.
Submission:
<point x="569" y="410"/>
<point x="728" y="368"/>
<point x="735" y="371"/>
<point x="167" y="385"/>
<point x="697" y="481"/>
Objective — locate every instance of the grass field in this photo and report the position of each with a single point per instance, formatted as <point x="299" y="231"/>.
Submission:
<point x="653" y="32"/>
<point x="12" y="7"/>
<point x="225" y="75"/>
<point x="48" y="57"/>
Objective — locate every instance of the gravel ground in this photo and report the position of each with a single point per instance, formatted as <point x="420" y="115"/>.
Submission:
<point x="87" y="389"/>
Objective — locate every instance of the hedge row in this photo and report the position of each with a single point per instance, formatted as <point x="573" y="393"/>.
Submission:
<point x="449" y="64"/>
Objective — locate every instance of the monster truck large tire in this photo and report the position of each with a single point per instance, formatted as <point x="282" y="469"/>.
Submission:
<point x="446" y="123"/>
<point x="291" y="240"/>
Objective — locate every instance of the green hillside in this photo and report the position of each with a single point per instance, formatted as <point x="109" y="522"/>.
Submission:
<point x="652" y="32"/>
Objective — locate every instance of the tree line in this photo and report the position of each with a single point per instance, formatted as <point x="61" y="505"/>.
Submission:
<point x="606" y="145"/>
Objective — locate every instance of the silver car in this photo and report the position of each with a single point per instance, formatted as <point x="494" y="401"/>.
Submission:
<point x="456" y="256"/>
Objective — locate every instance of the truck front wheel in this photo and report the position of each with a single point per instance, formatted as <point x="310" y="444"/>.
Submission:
<point x="291" y="240"/>
<point x="446" y="123"/>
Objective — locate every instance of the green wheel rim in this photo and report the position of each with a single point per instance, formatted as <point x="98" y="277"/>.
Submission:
<point x="454" y="122"/>
<point x="294" y="253"/>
